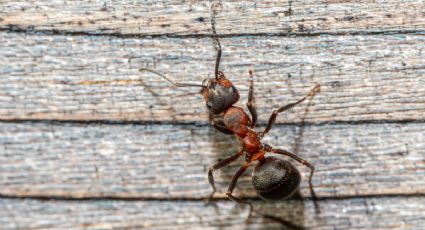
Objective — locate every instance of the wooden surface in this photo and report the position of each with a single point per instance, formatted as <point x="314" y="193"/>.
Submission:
<point x="95" y="160"/>
<point x="364" y="77"/>
<point x="113" y="214"/>
<point x="88" y="142"/>
<point x="178" y="17"/>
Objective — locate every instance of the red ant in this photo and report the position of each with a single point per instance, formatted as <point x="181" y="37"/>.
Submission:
<point x="273" y="178"/>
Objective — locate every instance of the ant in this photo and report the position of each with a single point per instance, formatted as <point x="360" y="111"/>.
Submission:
<point x="273" y="178"/>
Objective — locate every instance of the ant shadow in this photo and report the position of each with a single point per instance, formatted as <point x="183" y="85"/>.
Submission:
<point x="266" y="215"/>
<point x="286" y="214"/>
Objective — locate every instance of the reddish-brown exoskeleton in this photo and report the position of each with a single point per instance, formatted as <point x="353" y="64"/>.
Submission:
<point x="273" y="178"/>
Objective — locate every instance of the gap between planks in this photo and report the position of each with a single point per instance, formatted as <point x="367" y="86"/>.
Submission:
<point x="205" y="125"/>
<point x="24" y="30"/>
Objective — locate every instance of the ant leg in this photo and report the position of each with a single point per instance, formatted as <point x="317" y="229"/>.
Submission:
<point x="250" y="102"/>
<point x="218" y="123"/>
<point x="272" y="118"/>
<point x="218" y="165"/>
<point x="232" y="185"/>
<point x="217" y="60"/>
<point x="301" y="161"/>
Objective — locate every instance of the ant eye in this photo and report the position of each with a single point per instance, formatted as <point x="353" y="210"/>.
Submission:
<point x="209" y="105"/>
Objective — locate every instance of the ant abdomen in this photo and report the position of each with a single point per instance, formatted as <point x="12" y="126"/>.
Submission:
<point x="275" y="179"/>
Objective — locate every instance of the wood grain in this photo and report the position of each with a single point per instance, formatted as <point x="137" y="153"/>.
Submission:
<point x="234" y="17"/>
<point x="363" y="77"/>
<point x="106" y="214"/>
<point x="76" y="62"/>
<point x="168" y="161"/>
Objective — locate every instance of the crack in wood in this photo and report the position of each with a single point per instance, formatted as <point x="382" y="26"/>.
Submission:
<point x="146" y="198"/>
<point x="206" y="124"/>
<point x="18" y="29"/>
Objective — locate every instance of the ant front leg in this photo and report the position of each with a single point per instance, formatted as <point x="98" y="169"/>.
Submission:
<point x="301" y="161"/>
<point x="250" y="103"/>
<point x="272" y="118"/>
<point x="232" y="185"/>
<point x="218" y="165"/>
<point x="218" y="123"/>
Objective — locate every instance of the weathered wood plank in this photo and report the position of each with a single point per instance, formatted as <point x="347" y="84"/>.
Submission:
<point x="166" y="161"/>
<point x="235" y="17"/>
<point x="379" y="77"/>
<point x="361" y="213"/>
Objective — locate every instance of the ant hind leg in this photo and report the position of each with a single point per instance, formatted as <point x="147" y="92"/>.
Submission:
<point x="303" y="162"/>
<point x="232" y="185"/>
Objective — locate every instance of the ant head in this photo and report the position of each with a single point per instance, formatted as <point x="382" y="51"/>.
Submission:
<point x="219" y="93"/>
<point x="275" y="179"/>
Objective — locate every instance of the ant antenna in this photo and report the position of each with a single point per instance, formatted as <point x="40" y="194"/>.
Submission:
<point x="166" y="78"/>
<point x="217" y="60"/>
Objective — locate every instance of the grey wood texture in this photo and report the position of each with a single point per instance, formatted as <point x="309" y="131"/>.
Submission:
<point x="167" y="161"/>
<point x="364" y="77"/>
<point x="69" y="77"/>
<point x="234" y="17"/>
<point x="335" y="214"/>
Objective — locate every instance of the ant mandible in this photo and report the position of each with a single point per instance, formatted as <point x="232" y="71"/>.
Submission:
<point x="273" y="178"/>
